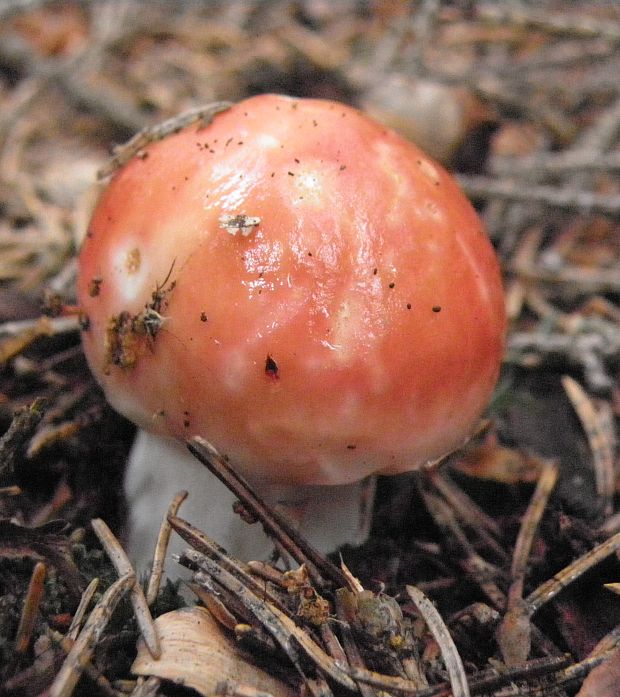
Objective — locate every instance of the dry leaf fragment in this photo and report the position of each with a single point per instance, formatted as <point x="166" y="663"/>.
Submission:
<point x="195" y="652"/>
<point x="498" y="463"/>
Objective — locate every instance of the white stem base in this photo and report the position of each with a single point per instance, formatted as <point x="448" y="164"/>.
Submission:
<point x="328" y="516"/>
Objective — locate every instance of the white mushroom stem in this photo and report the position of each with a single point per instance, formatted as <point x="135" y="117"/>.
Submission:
<point x="328" y="516"/>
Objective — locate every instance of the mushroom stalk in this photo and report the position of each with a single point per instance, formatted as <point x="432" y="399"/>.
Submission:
<point x="328" y="516"/>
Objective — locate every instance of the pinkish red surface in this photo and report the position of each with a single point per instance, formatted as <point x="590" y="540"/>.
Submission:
<point x="358" y="327"/>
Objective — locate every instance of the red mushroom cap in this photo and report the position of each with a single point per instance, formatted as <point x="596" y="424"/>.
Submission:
<point x="300" y="286"/>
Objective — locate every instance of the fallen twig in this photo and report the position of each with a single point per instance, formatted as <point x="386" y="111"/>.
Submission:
<point x="285" y="632"/>
<point x="561" y="24"/>
<point x="584" y="202"/>
<point x="483" y="573"/>
<point x="600" y="445"/>
<point x="84" y="646"/>
<point x="514" y="632"/>
<point x="548" y="590"/>
<point x="588" y="352"/>
<point x="449" y="652"/>
<point x="161" y="548"/>
<point x="208" y="547"/>
<point x="124" y="568"/>
<point x="273" y="522"/>
<point x="30" y="608"/>
<point x="80" y="612"/>
<point x="123" y="153"/>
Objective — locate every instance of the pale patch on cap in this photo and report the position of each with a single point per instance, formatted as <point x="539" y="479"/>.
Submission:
<point x="132" y="267"/>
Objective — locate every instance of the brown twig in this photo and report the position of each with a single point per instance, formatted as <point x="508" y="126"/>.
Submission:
<point x="469" y="512"/>
<point x="514" y="632"/>
<point x="124" y="568"/>
<point x="484" y="574"/>
<point x="208" y="547"/>
<point x="564" y="24"/>
<point x="85" y="666"/>
<point x="161" y="548"/>
<point x="598" y="439"/>
<point x="449" y="652"/>
<point x="548" y="590"/>
<point x="80" y="612"/>
<point x="285" y="632"/>
<point x="84" y="646"/>
<point x="30" y="609"/>
<point x="101" y="99"/>
<point x="575" y="200"/>
<point x="123" y="153"/>
<point x="552" y="163"/>
<point x="148" y="687"/>
<point x="589" y="352"/>
<point x="273" y="522"/>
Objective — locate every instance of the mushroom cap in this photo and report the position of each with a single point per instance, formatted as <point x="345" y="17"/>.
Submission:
<point x="300" y="286"/>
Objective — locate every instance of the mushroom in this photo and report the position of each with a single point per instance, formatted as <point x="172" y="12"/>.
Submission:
<point x="303" y="288"/>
